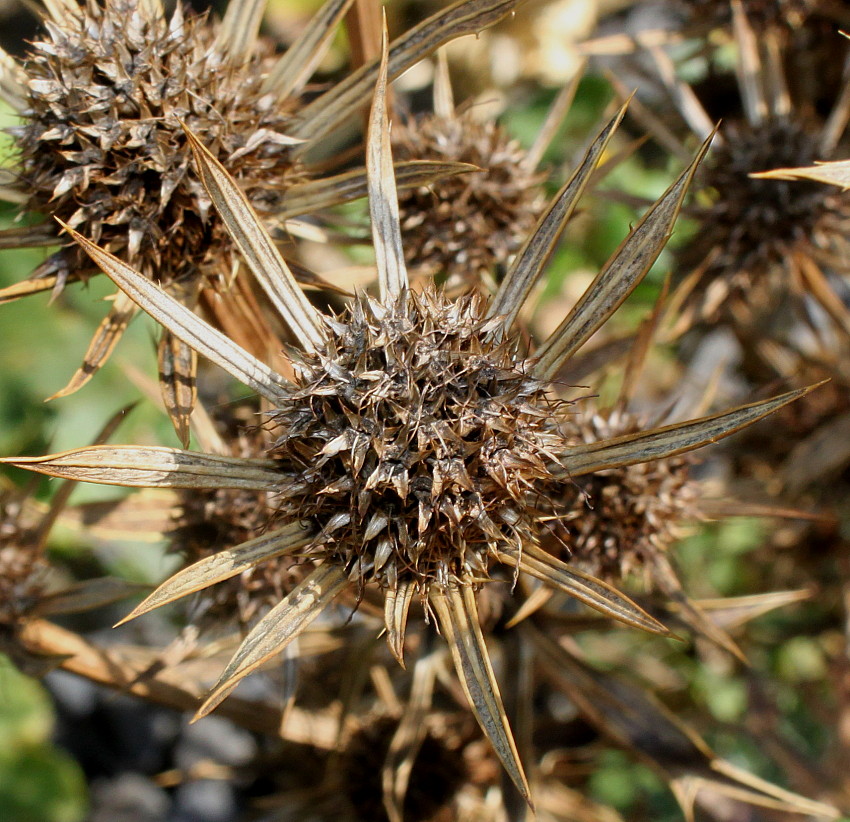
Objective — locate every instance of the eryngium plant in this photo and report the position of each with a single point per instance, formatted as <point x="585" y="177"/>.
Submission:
<point x="418" y="443"/>
<point x="103" y="99"/>
<point x="763" y="248"/>
<point x="465" y="228"/>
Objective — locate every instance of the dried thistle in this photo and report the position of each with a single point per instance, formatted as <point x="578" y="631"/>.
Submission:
<point x="621" y="519"/>
<point x="761" y="246"/>
<point x="463" y="230"/>
<point x="414" y="466"/>
<point x="103" y="100"/>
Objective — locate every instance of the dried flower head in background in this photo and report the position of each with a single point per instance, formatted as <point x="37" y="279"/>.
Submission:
<point x="23" y="567"/>
<point x="621" y="518"/>
<point x="101" y="147"/>
<point x="463" y="230"/>
<point x="416" y="441"/>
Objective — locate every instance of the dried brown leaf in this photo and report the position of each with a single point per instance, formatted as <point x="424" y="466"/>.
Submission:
<point x="224" y="565"/>
<point x="457" y="613"/>
<point x="396" y="606"/>
<point x="278" y="628"/>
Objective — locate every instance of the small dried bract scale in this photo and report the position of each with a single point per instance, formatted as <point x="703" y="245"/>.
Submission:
<point x="416" y="439"/>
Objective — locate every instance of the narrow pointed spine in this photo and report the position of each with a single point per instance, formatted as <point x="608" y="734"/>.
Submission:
<point x="278" y="628"/>
<point x="538" y="249"/>
<point x="457" y="614"/>
<point x="185" y="325"/>
<point x="258" y="249"/>
<point x="396" y="607"/>
<point x="224" y="565"/>
<point x="240" y="27"/>
<point x="587" y="589"/>
<point x="463" y="17"/>
<point x="671" y="439"/>
<point x="618" y="278"/>
<point x="152" y="467"/>
<point x="383" y="200"/>
<point x="296" y="65"/>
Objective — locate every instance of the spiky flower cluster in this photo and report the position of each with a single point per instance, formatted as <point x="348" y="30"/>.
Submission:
<point x="103" y="149"/>
<point x="464" y="227"/>
<point x="618" y="519"/>
<point x="755" y="225"/>
<point x="416" y="443"/>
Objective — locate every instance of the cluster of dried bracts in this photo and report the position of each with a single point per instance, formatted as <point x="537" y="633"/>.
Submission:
<point x="434" y="538"/>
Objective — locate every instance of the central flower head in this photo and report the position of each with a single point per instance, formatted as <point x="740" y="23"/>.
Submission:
<point x="418" y="443"/>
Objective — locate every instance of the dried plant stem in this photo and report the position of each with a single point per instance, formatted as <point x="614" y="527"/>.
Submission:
<point x="168" y="687"/>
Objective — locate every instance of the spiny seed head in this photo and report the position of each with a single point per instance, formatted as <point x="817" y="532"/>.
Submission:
<point x="761" y="13"/>
<point x="102" y="145"/>
<point x="466" y="227"/>
<point x="754" y="225"/>
<point x="415" y="443"/>
<point x="438" y="772"/>
<point x="619" y="518"/>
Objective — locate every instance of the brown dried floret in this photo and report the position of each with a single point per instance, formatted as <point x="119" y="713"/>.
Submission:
<point x="102" y="145"/>
<point x="464" y="229"/>
<point x="620" y="519"/>
<point x="415" y="442"/>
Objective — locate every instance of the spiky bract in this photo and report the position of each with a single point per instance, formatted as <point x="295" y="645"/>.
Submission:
<point x="618" y="519"/>
<point x="102" y="145"/>
<point x="417" y="444"/>
<point x="465" y="228"/>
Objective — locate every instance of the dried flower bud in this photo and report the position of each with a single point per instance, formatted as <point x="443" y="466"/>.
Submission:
<point x="464" y="229"/>
<point x="621" y="518"/>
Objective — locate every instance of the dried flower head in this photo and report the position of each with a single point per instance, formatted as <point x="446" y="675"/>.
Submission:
<point x="619" y="520"/>
<point x="23" y="568"/>
<point x="761" y="245"/>
<point x="104" y="98"/>
<point x="416" y="440"/>
<point x="463" y="230"/>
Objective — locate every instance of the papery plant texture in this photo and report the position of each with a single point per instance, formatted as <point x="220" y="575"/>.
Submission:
<point x="418" y="445"/>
